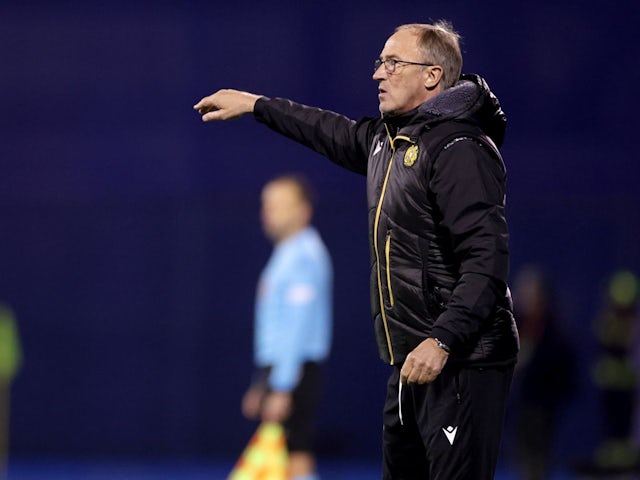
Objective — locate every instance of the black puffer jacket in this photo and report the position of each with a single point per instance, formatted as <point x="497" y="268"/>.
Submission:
<point x="438" y="234"/>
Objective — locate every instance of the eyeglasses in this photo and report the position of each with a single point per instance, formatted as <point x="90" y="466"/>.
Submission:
<point x="391" y="63"/>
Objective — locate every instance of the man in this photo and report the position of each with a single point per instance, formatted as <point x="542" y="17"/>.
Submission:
<point x="293" y="322"/>
<point x="438" y="234"/>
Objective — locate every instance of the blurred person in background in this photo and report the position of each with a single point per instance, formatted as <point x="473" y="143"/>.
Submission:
<point x="293" y="322"/>
<point x="616" y="373"/>
<point x="544" y="376"/>
<point x="10" y="361"/>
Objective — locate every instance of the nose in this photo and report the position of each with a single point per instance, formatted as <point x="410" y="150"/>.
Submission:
<point x="379" y="73"/>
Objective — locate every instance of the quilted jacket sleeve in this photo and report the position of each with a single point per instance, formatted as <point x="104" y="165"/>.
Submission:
<point x="342" y="140"/>
<point x="469" y="186"/>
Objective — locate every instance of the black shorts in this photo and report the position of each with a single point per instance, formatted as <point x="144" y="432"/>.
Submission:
<point x="300" y="427"/>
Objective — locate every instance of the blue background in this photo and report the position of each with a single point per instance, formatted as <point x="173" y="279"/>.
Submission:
<point x="129" y="235"/>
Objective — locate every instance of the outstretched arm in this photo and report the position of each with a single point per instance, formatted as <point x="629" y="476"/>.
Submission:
<point x="335" y="136"/>
<point x="226" y="105"/>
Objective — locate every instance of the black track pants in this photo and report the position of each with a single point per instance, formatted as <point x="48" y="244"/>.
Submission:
<point x="447" y="430"/>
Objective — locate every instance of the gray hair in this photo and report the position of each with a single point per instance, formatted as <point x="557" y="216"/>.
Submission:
<point x="440" y="45"/>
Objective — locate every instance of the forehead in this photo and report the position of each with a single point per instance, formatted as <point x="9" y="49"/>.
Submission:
<point x="280" y="191"/>
<point x="401" y="43"/>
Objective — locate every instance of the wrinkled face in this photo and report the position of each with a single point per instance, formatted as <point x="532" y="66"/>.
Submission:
<point x="404" y="89"/>
<point x="283" y="210"/>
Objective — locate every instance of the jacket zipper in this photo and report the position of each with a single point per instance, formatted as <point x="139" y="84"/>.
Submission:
<point x="375" y="248"/>
<point x="387" y="250"/>
<point x="375" y="244"/>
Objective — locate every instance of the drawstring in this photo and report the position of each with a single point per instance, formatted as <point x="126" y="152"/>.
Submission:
<point x="400" y="402"/>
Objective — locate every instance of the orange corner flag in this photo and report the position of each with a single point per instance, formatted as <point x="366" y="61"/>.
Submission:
<point x="265" y="457"/>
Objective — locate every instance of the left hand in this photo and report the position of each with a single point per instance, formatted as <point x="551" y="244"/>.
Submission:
<point x="277" y="407"/>
<point x="424" y="363"/>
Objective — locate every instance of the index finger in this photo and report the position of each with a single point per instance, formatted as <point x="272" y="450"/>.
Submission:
<point x="204" y="104"/>
<point x="405" y="372"/>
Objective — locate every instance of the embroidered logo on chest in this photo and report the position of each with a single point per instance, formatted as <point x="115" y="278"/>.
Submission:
<point x="410" y="156"/>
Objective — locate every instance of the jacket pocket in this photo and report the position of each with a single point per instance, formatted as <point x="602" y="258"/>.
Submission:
<point x="437" y="299"/>
<point x="387" y="256"/>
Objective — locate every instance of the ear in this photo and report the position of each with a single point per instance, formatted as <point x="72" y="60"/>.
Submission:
<point x="432" y="77"/>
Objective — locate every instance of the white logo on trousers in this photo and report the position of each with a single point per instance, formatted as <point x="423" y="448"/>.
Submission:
<point x="450" y="433"/>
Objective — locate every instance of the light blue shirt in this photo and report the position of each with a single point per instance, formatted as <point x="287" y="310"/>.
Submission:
<point x="294" y="308"/>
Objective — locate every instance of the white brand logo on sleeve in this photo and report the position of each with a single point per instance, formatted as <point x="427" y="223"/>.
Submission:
<point x="300" y="294"/>
<point x="450" y="433"/>
<point x="378" y="147"/>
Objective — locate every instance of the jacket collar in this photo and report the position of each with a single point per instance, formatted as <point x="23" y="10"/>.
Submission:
<point x="470" y="100"/>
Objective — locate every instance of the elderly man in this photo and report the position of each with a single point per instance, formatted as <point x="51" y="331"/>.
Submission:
<point x="441" y="307"/>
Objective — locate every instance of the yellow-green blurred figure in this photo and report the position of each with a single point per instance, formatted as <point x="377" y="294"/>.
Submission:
<point x="615" y="373"/>
<point x="10" y="361"/>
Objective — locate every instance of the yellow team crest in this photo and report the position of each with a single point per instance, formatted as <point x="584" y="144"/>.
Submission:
<point x="411" y="156"/>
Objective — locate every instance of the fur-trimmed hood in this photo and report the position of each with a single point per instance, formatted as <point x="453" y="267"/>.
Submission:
<point x="468" y="100"/>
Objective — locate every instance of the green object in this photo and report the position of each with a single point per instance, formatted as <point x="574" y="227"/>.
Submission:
<point x="623" y="288"/>
<point x="10" y="351"/>
<point x="613" y="373"/>
<point x="617" y="453"/>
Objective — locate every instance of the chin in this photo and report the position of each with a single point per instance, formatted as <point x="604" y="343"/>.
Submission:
<point x="387" y="110"/>
<point x="389" y="113"/>
<point x="269" y="233"/>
